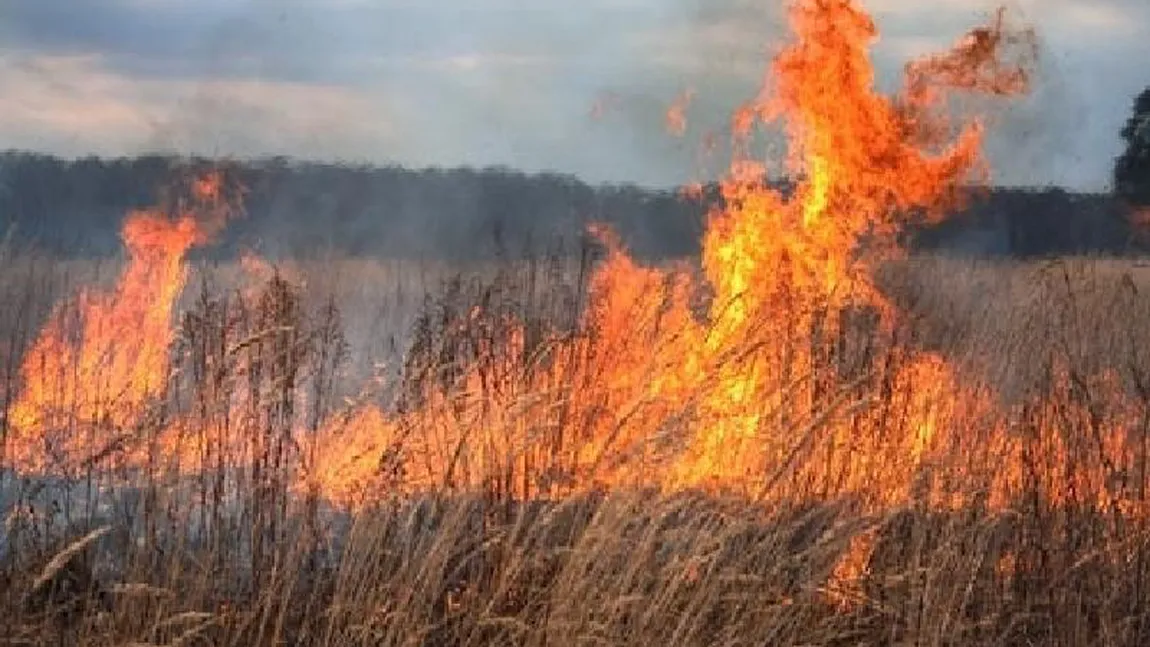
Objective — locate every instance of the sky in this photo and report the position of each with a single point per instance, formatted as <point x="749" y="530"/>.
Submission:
<point x="574" y="87"/>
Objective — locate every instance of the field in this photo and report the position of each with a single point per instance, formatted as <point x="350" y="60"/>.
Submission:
<point x="210" y="557"/>
<point x="806" y="434"/>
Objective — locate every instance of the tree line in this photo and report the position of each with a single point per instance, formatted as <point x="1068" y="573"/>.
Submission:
<point x="75" y="207"/>
<point x="303" y="208"/>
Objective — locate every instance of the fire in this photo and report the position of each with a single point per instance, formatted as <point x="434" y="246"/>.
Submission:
<point x="354" y="456"/>
<point x="748" y="373"/>
<point x="89" y="378"/>
<point x="677" y="114"/>
<point x="772" y="367"/>
<point x="867" y="164"/>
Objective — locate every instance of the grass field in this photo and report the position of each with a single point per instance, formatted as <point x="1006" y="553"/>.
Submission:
<point x="801" y="437"/>
<point x="238" y="554"/>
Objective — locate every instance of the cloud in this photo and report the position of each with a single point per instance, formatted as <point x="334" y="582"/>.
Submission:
<point x="505" y="81"/>
<point x="76" y="105"/>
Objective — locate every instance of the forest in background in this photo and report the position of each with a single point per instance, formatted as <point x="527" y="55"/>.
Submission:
<point x="304" y="209"/>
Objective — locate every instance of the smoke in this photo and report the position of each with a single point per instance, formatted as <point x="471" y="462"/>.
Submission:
<point x="498" y="82"/>
<point x="1064" y="133"/>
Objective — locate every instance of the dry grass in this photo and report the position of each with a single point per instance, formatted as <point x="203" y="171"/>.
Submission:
<point x="230" y="558"/>
<point x="1003" y="320"/>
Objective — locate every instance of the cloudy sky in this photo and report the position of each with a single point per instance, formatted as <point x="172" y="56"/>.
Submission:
<point x="577" y="87"/>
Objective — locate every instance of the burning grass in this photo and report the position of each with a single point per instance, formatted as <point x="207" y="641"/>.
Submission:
<point x="787" y="442"/>
<point x="235" y="551"/>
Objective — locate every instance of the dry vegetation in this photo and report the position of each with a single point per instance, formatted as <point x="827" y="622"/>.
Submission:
<point x="231" y="556"/>
<point x="787" y="442"/>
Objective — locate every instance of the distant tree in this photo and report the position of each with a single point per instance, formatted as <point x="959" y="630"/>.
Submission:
<point x="1132" y="168"/>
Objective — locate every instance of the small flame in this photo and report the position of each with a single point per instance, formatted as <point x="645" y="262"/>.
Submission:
<point x="89" y="378"/>
<point x="677" y="114"/>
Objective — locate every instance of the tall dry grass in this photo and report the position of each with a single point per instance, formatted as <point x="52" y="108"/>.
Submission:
<point x="227" y="553"/>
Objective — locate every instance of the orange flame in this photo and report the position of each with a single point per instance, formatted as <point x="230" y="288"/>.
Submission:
<point x="722" y="377"/>
<point x="89" y="378"/>
<point x="866" y="161"/>
<point x="677" y="114"/>
<point x="666" y="393"/>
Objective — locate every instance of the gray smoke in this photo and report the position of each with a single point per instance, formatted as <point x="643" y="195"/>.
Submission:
<point x="505" y="81"/>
